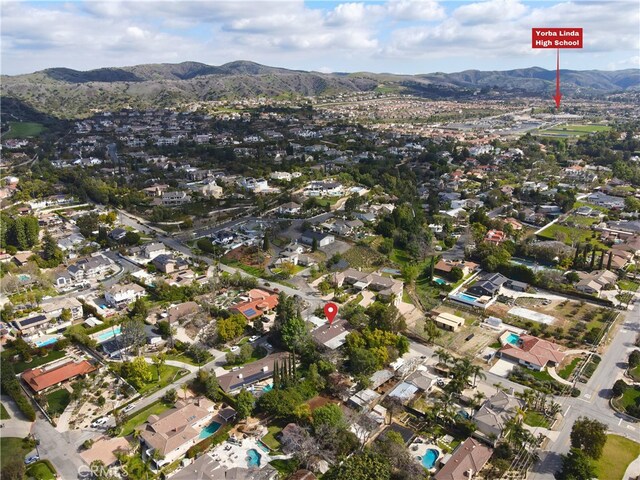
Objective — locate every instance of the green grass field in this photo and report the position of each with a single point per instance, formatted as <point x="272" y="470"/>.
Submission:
<point x="12" y="448"/>
<point x="42" y="470"/>
<point x="568" y="370"/>
<point x="569" y="234"/>
<point x="36" y="361"/>
<point x="565" y="131"/>
<point x="618" y="453"/>
<point x="270" y="438"/>
<point x="58" y="401"/>
<point x="24" y="130"/>
<point x="4" y="415"/>
<point x="630" y="397"/>
<point x="535" y="419"/>
<point x="167" y="375"/>
<point x="628" y="285"/>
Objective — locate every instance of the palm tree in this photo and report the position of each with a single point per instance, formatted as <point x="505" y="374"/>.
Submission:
<point x="444" y="357"/>
<point x="477" y="372"/>
<point x="477" y="398"/>
<point x="184" y="388"/>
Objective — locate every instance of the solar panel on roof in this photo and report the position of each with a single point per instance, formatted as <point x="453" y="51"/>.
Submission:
<point x="250" y="312"/>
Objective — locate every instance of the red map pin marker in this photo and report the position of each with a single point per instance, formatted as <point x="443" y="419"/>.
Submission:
<point x="330" y="311"/>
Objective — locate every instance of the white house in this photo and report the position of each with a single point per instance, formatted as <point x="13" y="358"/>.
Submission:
<point x="175" y="198"/>
<point x="323" y="189"/>
<point x="121" y="295"/>
<point x="290" y="208"/>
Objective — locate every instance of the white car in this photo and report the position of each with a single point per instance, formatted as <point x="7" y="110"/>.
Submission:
<point x="254" y="338"/>
<point x="129" y="407"/>
<point x="99" y="422"/>
<point x="31" y="459"/>
<point x="234" y="349"/>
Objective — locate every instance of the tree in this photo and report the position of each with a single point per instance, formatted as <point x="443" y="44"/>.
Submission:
<point x="366" y="465"/>
<point x="13" y="470"/>
<point x="330" y="414"/>
<point x="244" y="403"/>
<point x="363" y="361"/>
<point x="265" y="243"/>
<point x="431" y="331"/>
<point x="589" y="436"/>
<point x="139" y="372"/>
<point x="572" y="277"/>
<point x="456" y="274"/>
<point x="132" y="334"/>
<point x="87" y="224"/>
<point x="385" y="317"/>
<point x="576" y="466"/>
<point x="409" y="273"/>
<point x="139" y="309"/>
<point x="159" y="360"/>
<point x="170" y="396"/>
<point x="65" y="316"/>
<point x="314" y="244"/>
<point x="51" y="253"/>
<point x="230" y="328"/>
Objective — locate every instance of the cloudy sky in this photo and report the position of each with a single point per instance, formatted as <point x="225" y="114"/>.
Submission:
<point x="400" y="36"/>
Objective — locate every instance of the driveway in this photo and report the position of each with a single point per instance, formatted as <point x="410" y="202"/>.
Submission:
<point x="17" y="425"/>
<point x="502" y="368"/>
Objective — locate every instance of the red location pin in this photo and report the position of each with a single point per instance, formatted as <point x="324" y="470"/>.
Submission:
<point x="330" y="311"/>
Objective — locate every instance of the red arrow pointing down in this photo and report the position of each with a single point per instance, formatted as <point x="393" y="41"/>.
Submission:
<point x="558" y="95"/>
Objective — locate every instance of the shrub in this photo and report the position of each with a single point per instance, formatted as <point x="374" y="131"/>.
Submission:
<point x="619" y="388"/>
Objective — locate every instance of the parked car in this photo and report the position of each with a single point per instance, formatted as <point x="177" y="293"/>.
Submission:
<point x="99" y="422"/>
<point x="129" y="407"/>
<point x="254" y="338"/>
<point x="234" y="349"/>
<point x="31" y="459"/>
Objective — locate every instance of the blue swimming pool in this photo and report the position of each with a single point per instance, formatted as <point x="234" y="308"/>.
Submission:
<point x="466" y="297"/>
<point x="440" y="281"/>
<point x="268" y="388"/>
<point x="109" y="334"/>
<point x="210" y="429"/>
<point x="253" y="458"/>
<point x="23" y="277"/>
<point x="48" y="341"/>
<point x="429" y="458"/>
<point x="512" y="338"/>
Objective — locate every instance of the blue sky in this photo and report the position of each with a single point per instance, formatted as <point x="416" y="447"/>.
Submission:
<point x="399" y="36"/>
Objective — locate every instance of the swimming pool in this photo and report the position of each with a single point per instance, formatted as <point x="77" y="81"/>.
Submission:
<point x="23" y="277"/>
<point x="512" y="338"/>
<point x="44" y="343"/>
<point x="430" y="457"/>
<point x="468" y="298"/>
<point x="210" y="429"/>
<point x="253" y="458"/>
<point x="108" y="334"/>
<point x="440" y="281"/>
<point x="267" y="388"/>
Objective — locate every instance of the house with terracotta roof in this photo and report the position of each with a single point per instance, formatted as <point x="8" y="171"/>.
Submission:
<point x="495" y="236"/>
<point x="466" y="461"/>
<point x="173" y="432"/>
<point x="41" y="378"/>
<point x="532" y="352"/>
<point x="260" y="303"/>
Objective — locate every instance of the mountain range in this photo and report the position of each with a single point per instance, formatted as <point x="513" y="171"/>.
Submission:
<point x="68" y="93"/>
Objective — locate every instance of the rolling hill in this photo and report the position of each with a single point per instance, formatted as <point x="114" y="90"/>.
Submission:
<point x="68" y="93"/>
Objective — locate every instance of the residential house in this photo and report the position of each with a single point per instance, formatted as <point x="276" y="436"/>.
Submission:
<point x="517" y="286"/>
<point x="167" y="263"/>
<point x="495" y="236"/>
<point x="30" y="325"/>
<point x="488" y="285"/>
<point x="532" y="352"/>
<point x="604" y="200"/>
<point x="443" y="267"/>
<point x="90" y="267"/>
<point x="211" y="190"/>
<point x="250" y="373"/>
<point x="175" y="313"/>
<point x="54" y="308"/>
<point x="495" y="412"/>
<point x="173" y="432"/>
<point x="41" y="378"/>
<point x="152" y="250"/>
<point x="290" y="208"/>
<point x="331" y="335"/>
<point x="170" y="199"/>
<point x="593" y="283"/>
<point x="323" y="189"/>
<point x="388" y="288"/>
<point x="466" y="461"/>
<point x="156" y="190"/>
<point x="259" y="303"/>
<point x="322" y="239"/>
<point x="117" y="234"/>
<point x="416" y="382"/>
<point x="119" y="295"/>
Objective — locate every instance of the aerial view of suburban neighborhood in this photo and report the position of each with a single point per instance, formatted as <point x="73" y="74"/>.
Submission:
<point x="219" y="269"/>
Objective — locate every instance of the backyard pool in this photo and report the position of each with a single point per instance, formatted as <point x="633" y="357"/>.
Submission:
<point x="429" y="458"/>
<point x="253" y="458"/>
<point x="466" y="297"/>
<point x="267" y="388"/>
<point x="210" y="429"/>
<point x="108" y="334"/>
<point x="440" y="281"/>
<point x="44" y="343"/>
<point x="512" y="338"/>
<point x="23" y="277"/>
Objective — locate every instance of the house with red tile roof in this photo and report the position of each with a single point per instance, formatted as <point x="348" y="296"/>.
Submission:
<point x="466" y="461"/>
<point x="533" y="352"/>
<point x="260" y="302"/>
<point x="42" y="378"/>
<point x="495" y="236"/>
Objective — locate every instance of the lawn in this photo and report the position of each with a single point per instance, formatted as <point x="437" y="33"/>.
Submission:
<point x="573" y="130"/>
<point x="23" y="130"/>
<point x="58" y="401"/>
<point x="285" y="467"/>
<point x="270" y="438"/>
<point x="42" y="470"/>
<point x="187" y="359"/>
<point x="568" y="370"/>
<point x="630" y="397"/>
<point x="4" y="415"/>
<point x="167" y="376"/>
<point x="629" y="285"/>
<point x="535" y="419"/>
<point x="618" y="453"/>
<point x="635" y="373"/>
<point x="36" y="361"/>
<point x="568" y="235"/>
<point x="139" y="418"/>
<point x="12" y="448"/>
